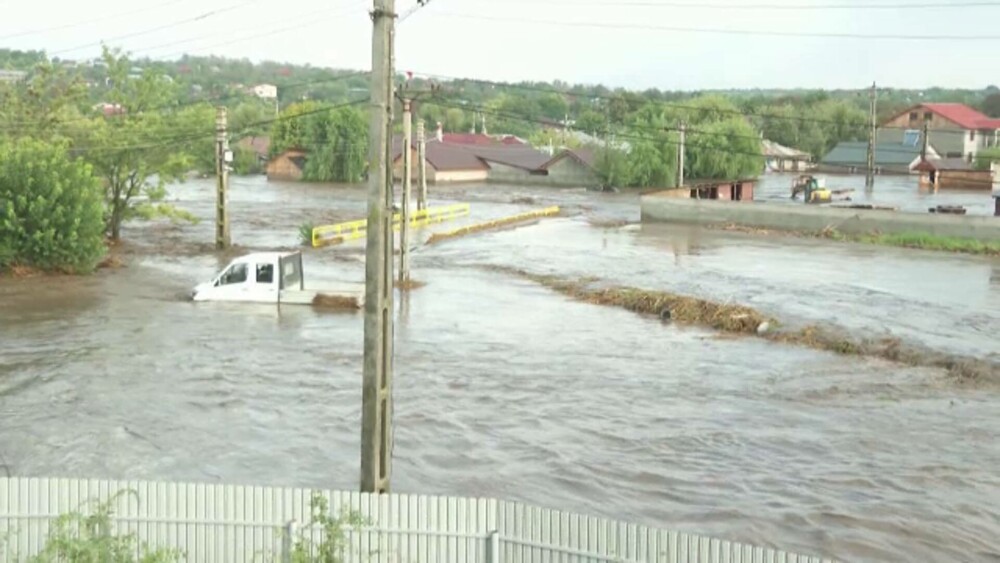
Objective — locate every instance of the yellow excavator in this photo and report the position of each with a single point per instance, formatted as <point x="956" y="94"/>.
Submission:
<point x="813" y="191"/>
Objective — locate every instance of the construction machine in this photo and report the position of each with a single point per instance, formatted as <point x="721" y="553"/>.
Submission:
<point x="814" y="190"/>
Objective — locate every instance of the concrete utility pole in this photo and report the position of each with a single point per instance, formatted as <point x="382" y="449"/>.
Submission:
<point x="422" y="165"/>
<point x="924" y="142"/>
<point x="376" y="393"/>
<point x="222" y="240"/>
<point x="404" y="227"/>
<point x="680" y="156"/>
<point x="870" y="175"/>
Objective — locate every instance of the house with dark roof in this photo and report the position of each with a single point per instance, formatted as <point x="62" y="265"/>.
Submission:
<point x="573" y="167"/>
<point x="953" y="130"/>
<point x="851" y="157"/>
<point x="500" y="163"/>
<point x="445" y="163"/>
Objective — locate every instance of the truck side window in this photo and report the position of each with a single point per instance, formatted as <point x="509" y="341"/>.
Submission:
<point x="236" y="274"/>
<point x="265" y="273"/>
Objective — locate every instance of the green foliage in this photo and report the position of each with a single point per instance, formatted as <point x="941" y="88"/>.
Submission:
<point x="924" y="241"/>
<point x="991" y="105"/>
<point x="149" y="211"/>
<point x="813" y="128"/>
<point x="728" y="149"/>
<point x="306" y="233"/>
<point x="985" y="157"/>
<point x="51" y="212"/>
<point x="142" y="148"/>
<point x="245" y="161"/>
<point x="335" y="139"/>
<point x="76" y="537"/>
<point x="334" y="530"/>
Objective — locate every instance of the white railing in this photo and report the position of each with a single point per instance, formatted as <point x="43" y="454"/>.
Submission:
<point x="228" y="523"/>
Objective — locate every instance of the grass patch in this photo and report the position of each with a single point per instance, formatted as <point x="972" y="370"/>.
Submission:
<point x="741" y="320"/>
<point x="922" y="241"/>
<point x="928" y="241"/>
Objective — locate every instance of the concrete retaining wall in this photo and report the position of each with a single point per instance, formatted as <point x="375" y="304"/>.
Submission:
<point x="804" y="217"/>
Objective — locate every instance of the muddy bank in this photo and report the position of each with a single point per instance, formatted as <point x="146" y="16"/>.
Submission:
<point x="739" y="319"/>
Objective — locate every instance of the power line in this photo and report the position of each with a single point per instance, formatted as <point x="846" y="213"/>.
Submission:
<point x="189" y="137"/>
<point x="629" y="136"/>
<point x="666" y="104"/>
<point x="168" y="108"/>
<point x="310" y="20"/>
<point x="199" y="17"/>
<point x="88" y="22"/>
<point x="770" y="6"/>
<point x="723" y="31"/>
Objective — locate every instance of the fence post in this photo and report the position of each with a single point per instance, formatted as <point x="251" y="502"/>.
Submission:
<point x="494" y="547"/>
<point x="288" y="541"/>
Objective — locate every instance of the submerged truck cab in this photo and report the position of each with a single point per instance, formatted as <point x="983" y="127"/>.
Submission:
<point x="258" y="278"/>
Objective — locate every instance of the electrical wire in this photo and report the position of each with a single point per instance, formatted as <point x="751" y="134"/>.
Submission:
<point x="916" y="37"/>
<point x="202" y="16"/>
<point x="666" y="104"/>
<point x="310" y="20"/>
<point x="627" y="136"/>
<point x="759" y="7"/>
<point x="168" y="108"/>
<point x="92" y="21"/>
<point x="189" y="137"/>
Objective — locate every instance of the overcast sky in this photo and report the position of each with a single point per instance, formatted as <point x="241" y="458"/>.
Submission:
<point x="631" y="43"/>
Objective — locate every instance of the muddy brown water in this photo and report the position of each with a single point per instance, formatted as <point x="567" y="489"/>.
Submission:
<point x="507" y="389"/>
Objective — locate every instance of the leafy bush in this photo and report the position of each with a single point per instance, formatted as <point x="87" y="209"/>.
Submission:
<point x="305" y="234"/>
<point x="87" y="538"/>
<point x="334" y="530"/>
<point x="245" y="161"/>
<point x="51" y="209"/>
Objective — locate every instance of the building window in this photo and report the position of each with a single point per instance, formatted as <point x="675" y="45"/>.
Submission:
<point x="928" y="115"/>
<point x="913" y="116"/>
<point x="972" y="135"/>
<point x="969" y="157"/>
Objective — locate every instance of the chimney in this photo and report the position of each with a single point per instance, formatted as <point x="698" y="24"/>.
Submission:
<point x="440" y="133"/>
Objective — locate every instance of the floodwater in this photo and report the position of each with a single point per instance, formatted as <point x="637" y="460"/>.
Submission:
<point x="506" y="389"/>
<point x="902" y="192"/>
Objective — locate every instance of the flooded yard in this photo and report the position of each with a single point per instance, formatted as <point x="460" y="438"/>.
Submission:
<point x="505" y="388"/>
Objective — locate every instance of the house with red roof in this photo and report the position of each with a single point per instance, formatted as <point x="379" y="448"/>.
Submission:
<point x="953" y="130"/>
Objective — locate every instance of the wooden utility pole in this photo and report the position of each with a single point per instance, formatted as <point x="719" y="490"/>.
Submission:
<point x="222" y="240"/>
<point x="680" y="156"/>
<point x="870" y="173"/>
<point x="376" y="393"/>
<point x="421" y="165"/>
<point x="404" y="227"/>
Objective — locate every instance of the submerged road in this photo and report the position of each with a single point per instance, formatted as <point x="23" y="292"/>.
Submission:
<point x="505" y="388"/>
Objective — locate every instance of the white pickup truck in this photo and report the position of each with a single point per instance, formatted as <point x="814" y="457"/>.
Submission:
<point x="274" y="277"/>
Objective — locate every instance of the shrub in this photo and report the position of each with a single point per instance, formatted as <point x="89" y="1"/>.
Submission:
<point x="51" y="209"/>
<point x="87" y="538"/>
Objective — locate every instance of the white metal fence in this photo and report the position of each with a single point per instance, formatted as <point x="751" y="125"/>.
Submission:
<point x="224" y="523"/>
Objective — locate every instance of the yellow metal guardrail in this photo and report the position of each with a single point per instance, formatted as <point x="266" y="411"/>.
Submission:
<point x="494" y="224"/>
<point x="326" y="235"/>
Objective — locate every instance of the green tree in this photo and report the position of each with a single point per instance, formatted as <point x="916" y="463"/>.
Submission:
<point x="335" y="138"/>
<point x="139" y="150"/>
<point x="991" y="105"/>
<point x="51" y="209"/>
<point x="728" y="149"/>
